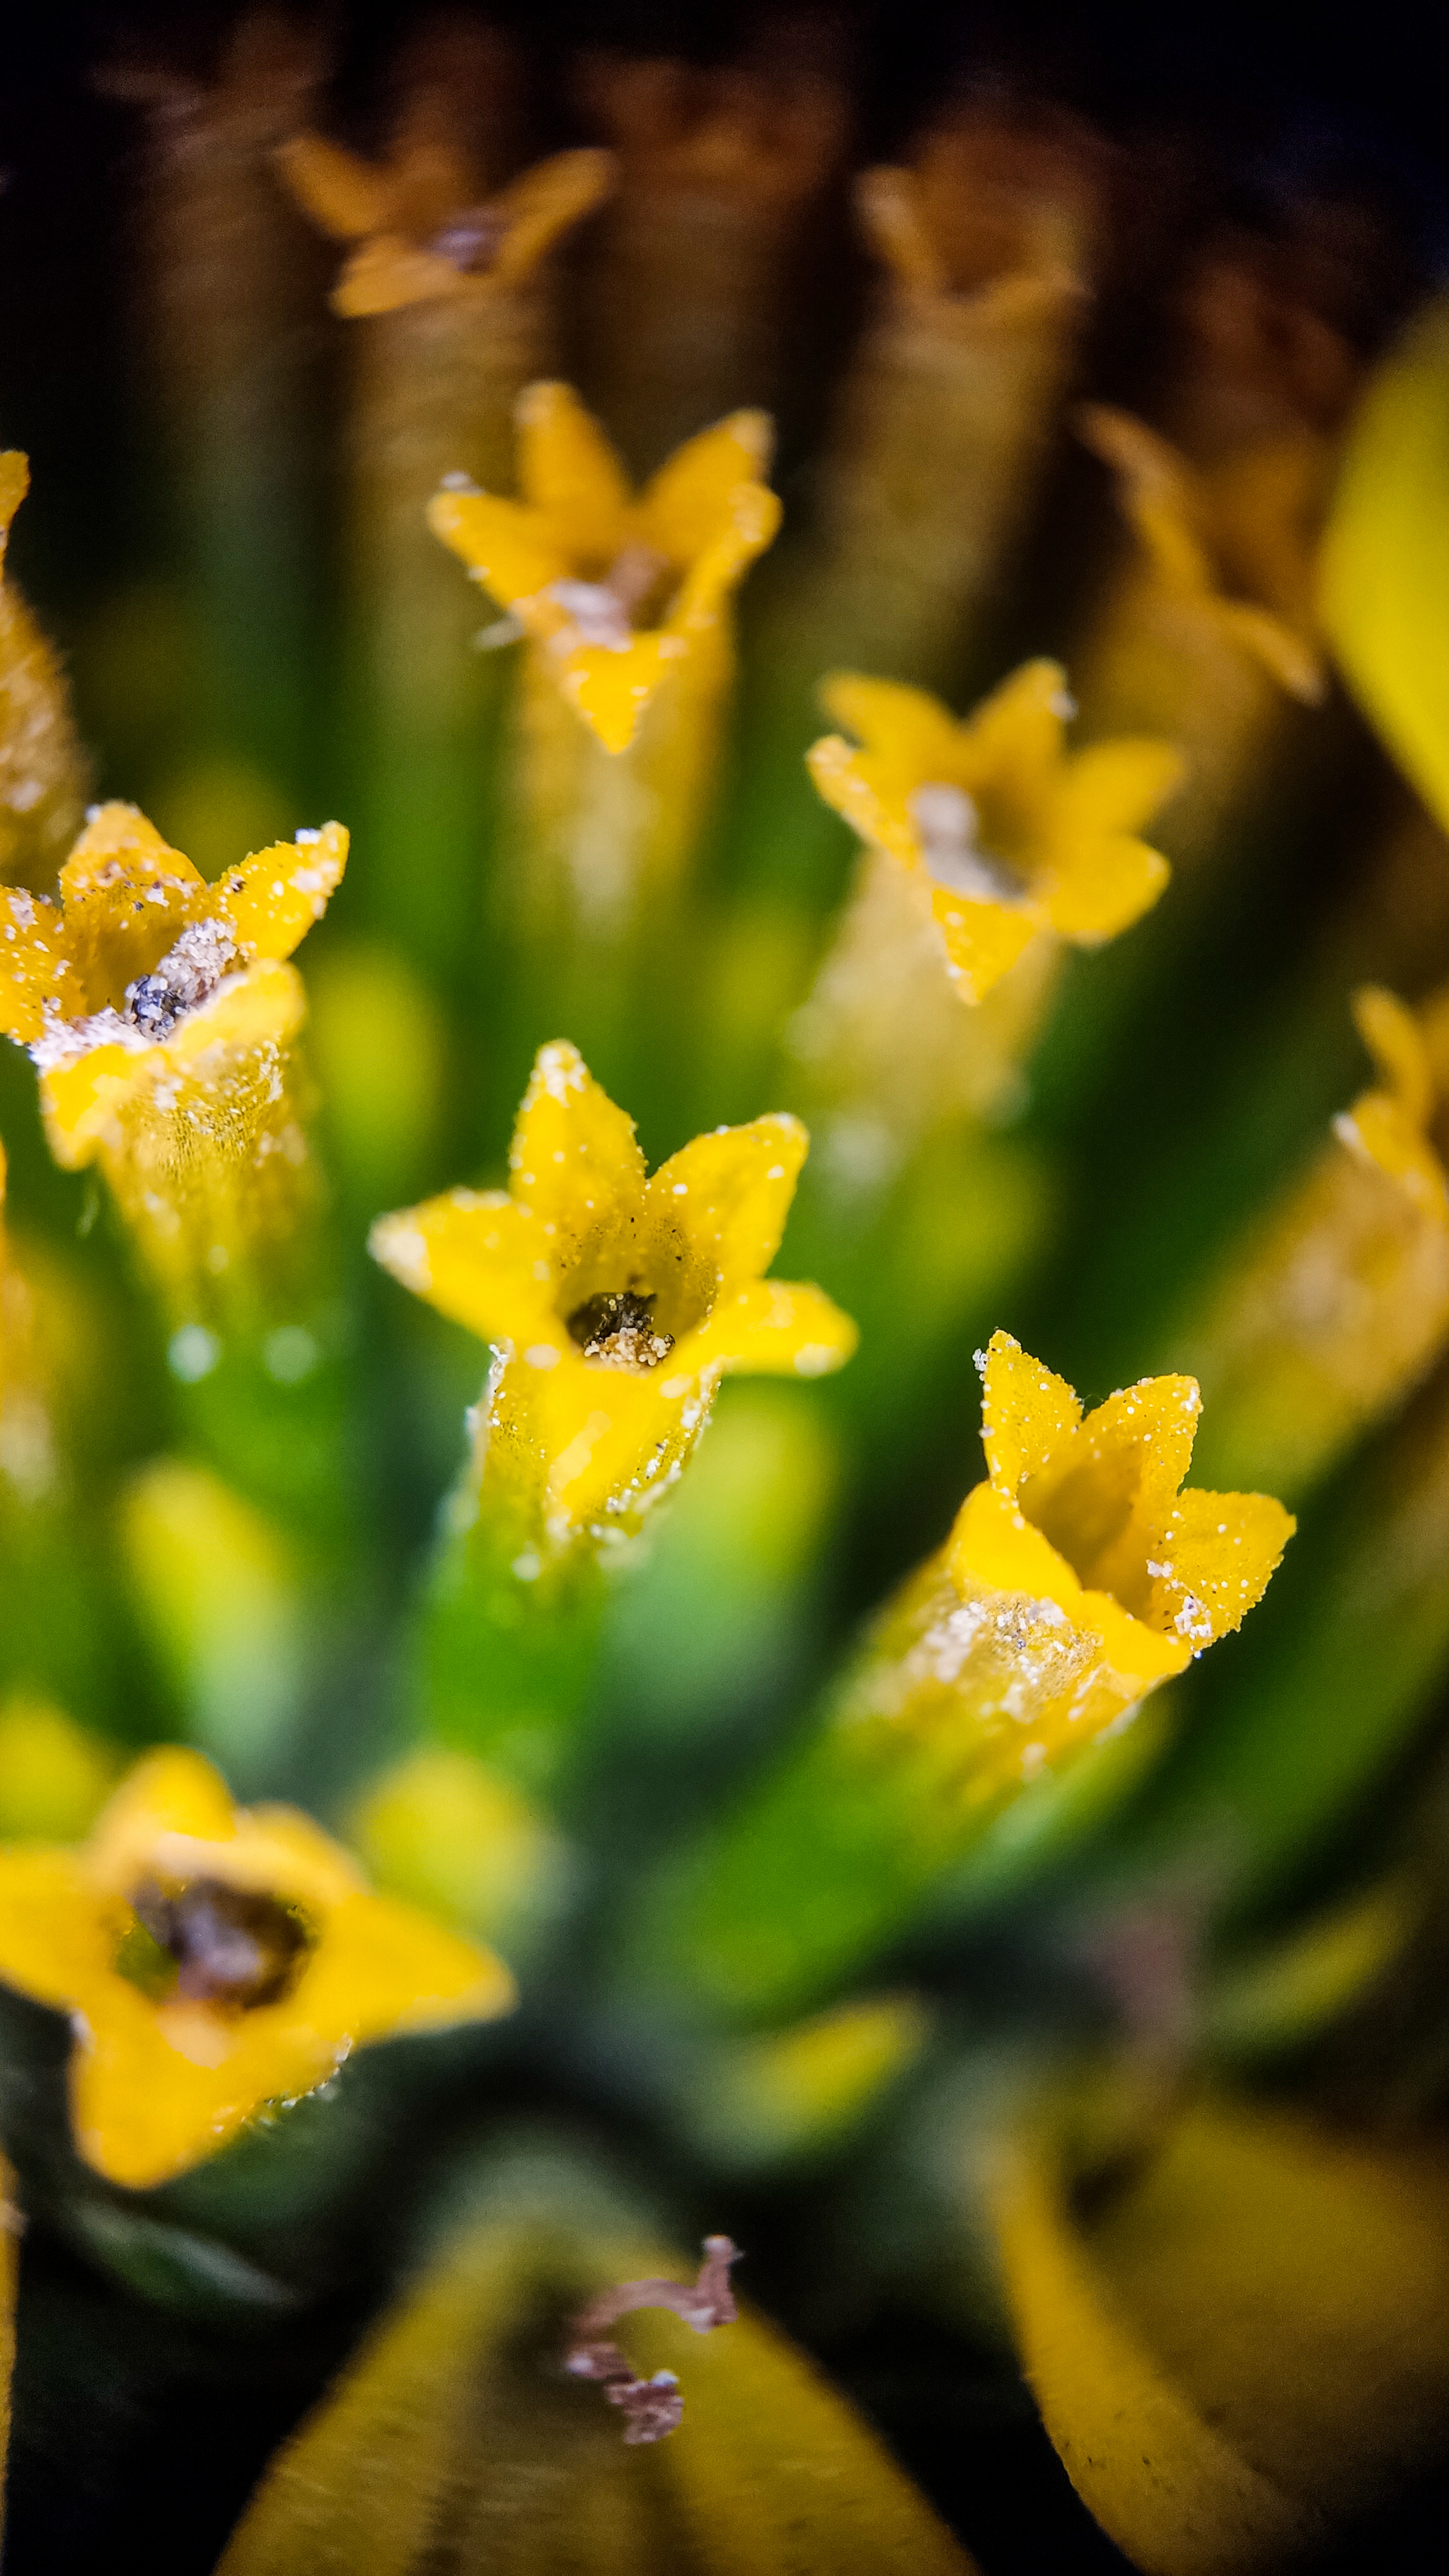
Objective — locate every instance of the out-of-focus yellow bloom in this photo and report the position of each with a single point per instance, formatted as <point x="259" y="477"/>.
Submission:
<point x="1391" y="1124"/>
<point x="422" y="228"/>
<point x="1232" y="539"/>
<point x="145" y="984"/>
<point x="42" y="767"/>
<point x="615" y="588"/>
<point x="216" y="1960"/>
<point x="1000" y="832"/>
<point x="615" y="1301"/>
<point x="1337" y="1300"/>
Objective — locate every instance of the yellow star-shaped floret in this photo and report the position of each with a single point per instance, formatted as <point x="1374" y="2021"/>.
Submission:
<point x="1001" y="833"/>
<point x="1086" y="1517"/>
<point x="215" y="1960"/>
<point x="143" y="972"/>
<point x="424" y="227"/>
<point x="1392" y="1124"/>
<point x="1234" y="538"/>
<point x="615" y="587"/>
<point x="616" y="1301"/>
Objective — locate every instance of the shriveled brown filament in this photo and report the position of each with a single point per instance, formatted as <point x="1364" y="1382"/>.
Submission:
<point x="651" y="2407"/>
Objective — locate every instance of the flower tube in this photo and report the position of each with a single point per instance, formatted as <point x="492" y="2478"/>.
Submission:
<point x="42" y="766"/>
<point x="1337" y="1302"/>
<point x="216" y="1963"/>
<point x="614" y="1302"/>
<point x="1077" y="1578"/>
<point x="695" y="284"/>
<point x="160" y="1013"/>
<point x="1207" y="636"/>
<point x="624" y="601"/>
<point x="448" y="287"/>
<point x="940" y="436"/>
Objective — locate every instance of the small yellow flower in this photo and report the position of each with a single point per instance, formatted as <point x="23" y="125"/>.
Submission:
<point x="615" y="1301"/>
<point x="145" y="981"/>
<point x="215" y="1960"/>
<point x="1392" y="1124"/>
<point x="1000" y="832"/>
<point x="615" y="587"/>
<point x="1084" y="1521"/>
<point x="424" y="229"/>
<point x="1234" y="538"/>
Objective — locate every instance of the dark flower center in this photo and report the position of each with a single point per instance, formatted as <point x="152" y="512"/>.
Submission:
<point x="230" y="1945"/>
<point x="617" y="1328"/>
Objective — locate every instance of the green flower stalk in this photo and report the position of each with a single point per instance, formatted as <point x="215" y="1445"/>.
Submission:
<point x="1076" y="1580"/>
<point x="615" y="1303"/>
<point x="450" y="294"/>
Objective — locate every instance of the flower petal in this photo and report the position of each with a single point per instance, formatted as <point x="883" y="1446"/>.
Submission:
<point x="993" y="1548"/>
<point x="1093" y="893"/>
<point x="685" y="505"/>
<point x="574" y="1159"/>
<point x="1219" y="1552"/>
<point x="513" y="551"/>
<point x="34" y="966"/>
<point x="476" y="1256"/>
<point x="383" y="1968"/>
<point x="387" y="272"/>
<point x="731" y="1193"/>
<point x="343" y="194"/>
<point x="610" y="688"/>
<point x="542" y="203"/>
<point x="773" y="1326"/>
<point x="154" y="2092"/>
<point x="1117" y="786"/>
<point x="1399" y="1049"/>
<point x="1027" y="1414"/>
<point x="982" y="940"/>
<point x="1160" y="494"/>
<point x="272" y="900"/>
<point x="1012" y="746"/>
<point x="125" y="895"/>
<point x="570" y="475"/>
<point x="170" y="1791"/>
<point x="53" y="1943"/>
<point x="914" y="729"/>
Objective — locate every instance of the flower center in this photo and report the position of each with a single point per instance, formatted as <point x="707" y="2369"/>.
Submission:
<point x="230" y="1945"/>
<point x="471" y="240"/>
<point x="187" y="976"/>
<point x="617" y="1329"/>
<point x="948" y="827"/>
<point x="610" y="611"/>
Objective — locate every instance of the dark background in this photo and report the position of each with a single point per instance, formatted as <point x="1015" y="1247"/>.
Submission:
<point x="1290" y="99"/>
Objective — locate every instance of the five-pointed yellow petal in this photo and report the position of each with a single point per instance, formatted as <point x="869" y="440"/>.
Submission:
<point x="539" y="1272"/>
<point x="616" y="587"/>
<point x="1001" y="833"/>
<point x="1087" y="1512"/>
<point x="142" y="968"/>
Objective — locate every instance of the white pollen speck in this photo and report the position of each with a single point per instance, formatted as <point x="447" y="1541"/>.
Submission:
<point x="776" y="1172"/>
<point x="681" y="1189"/>
<point x="541" y="1355"/>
